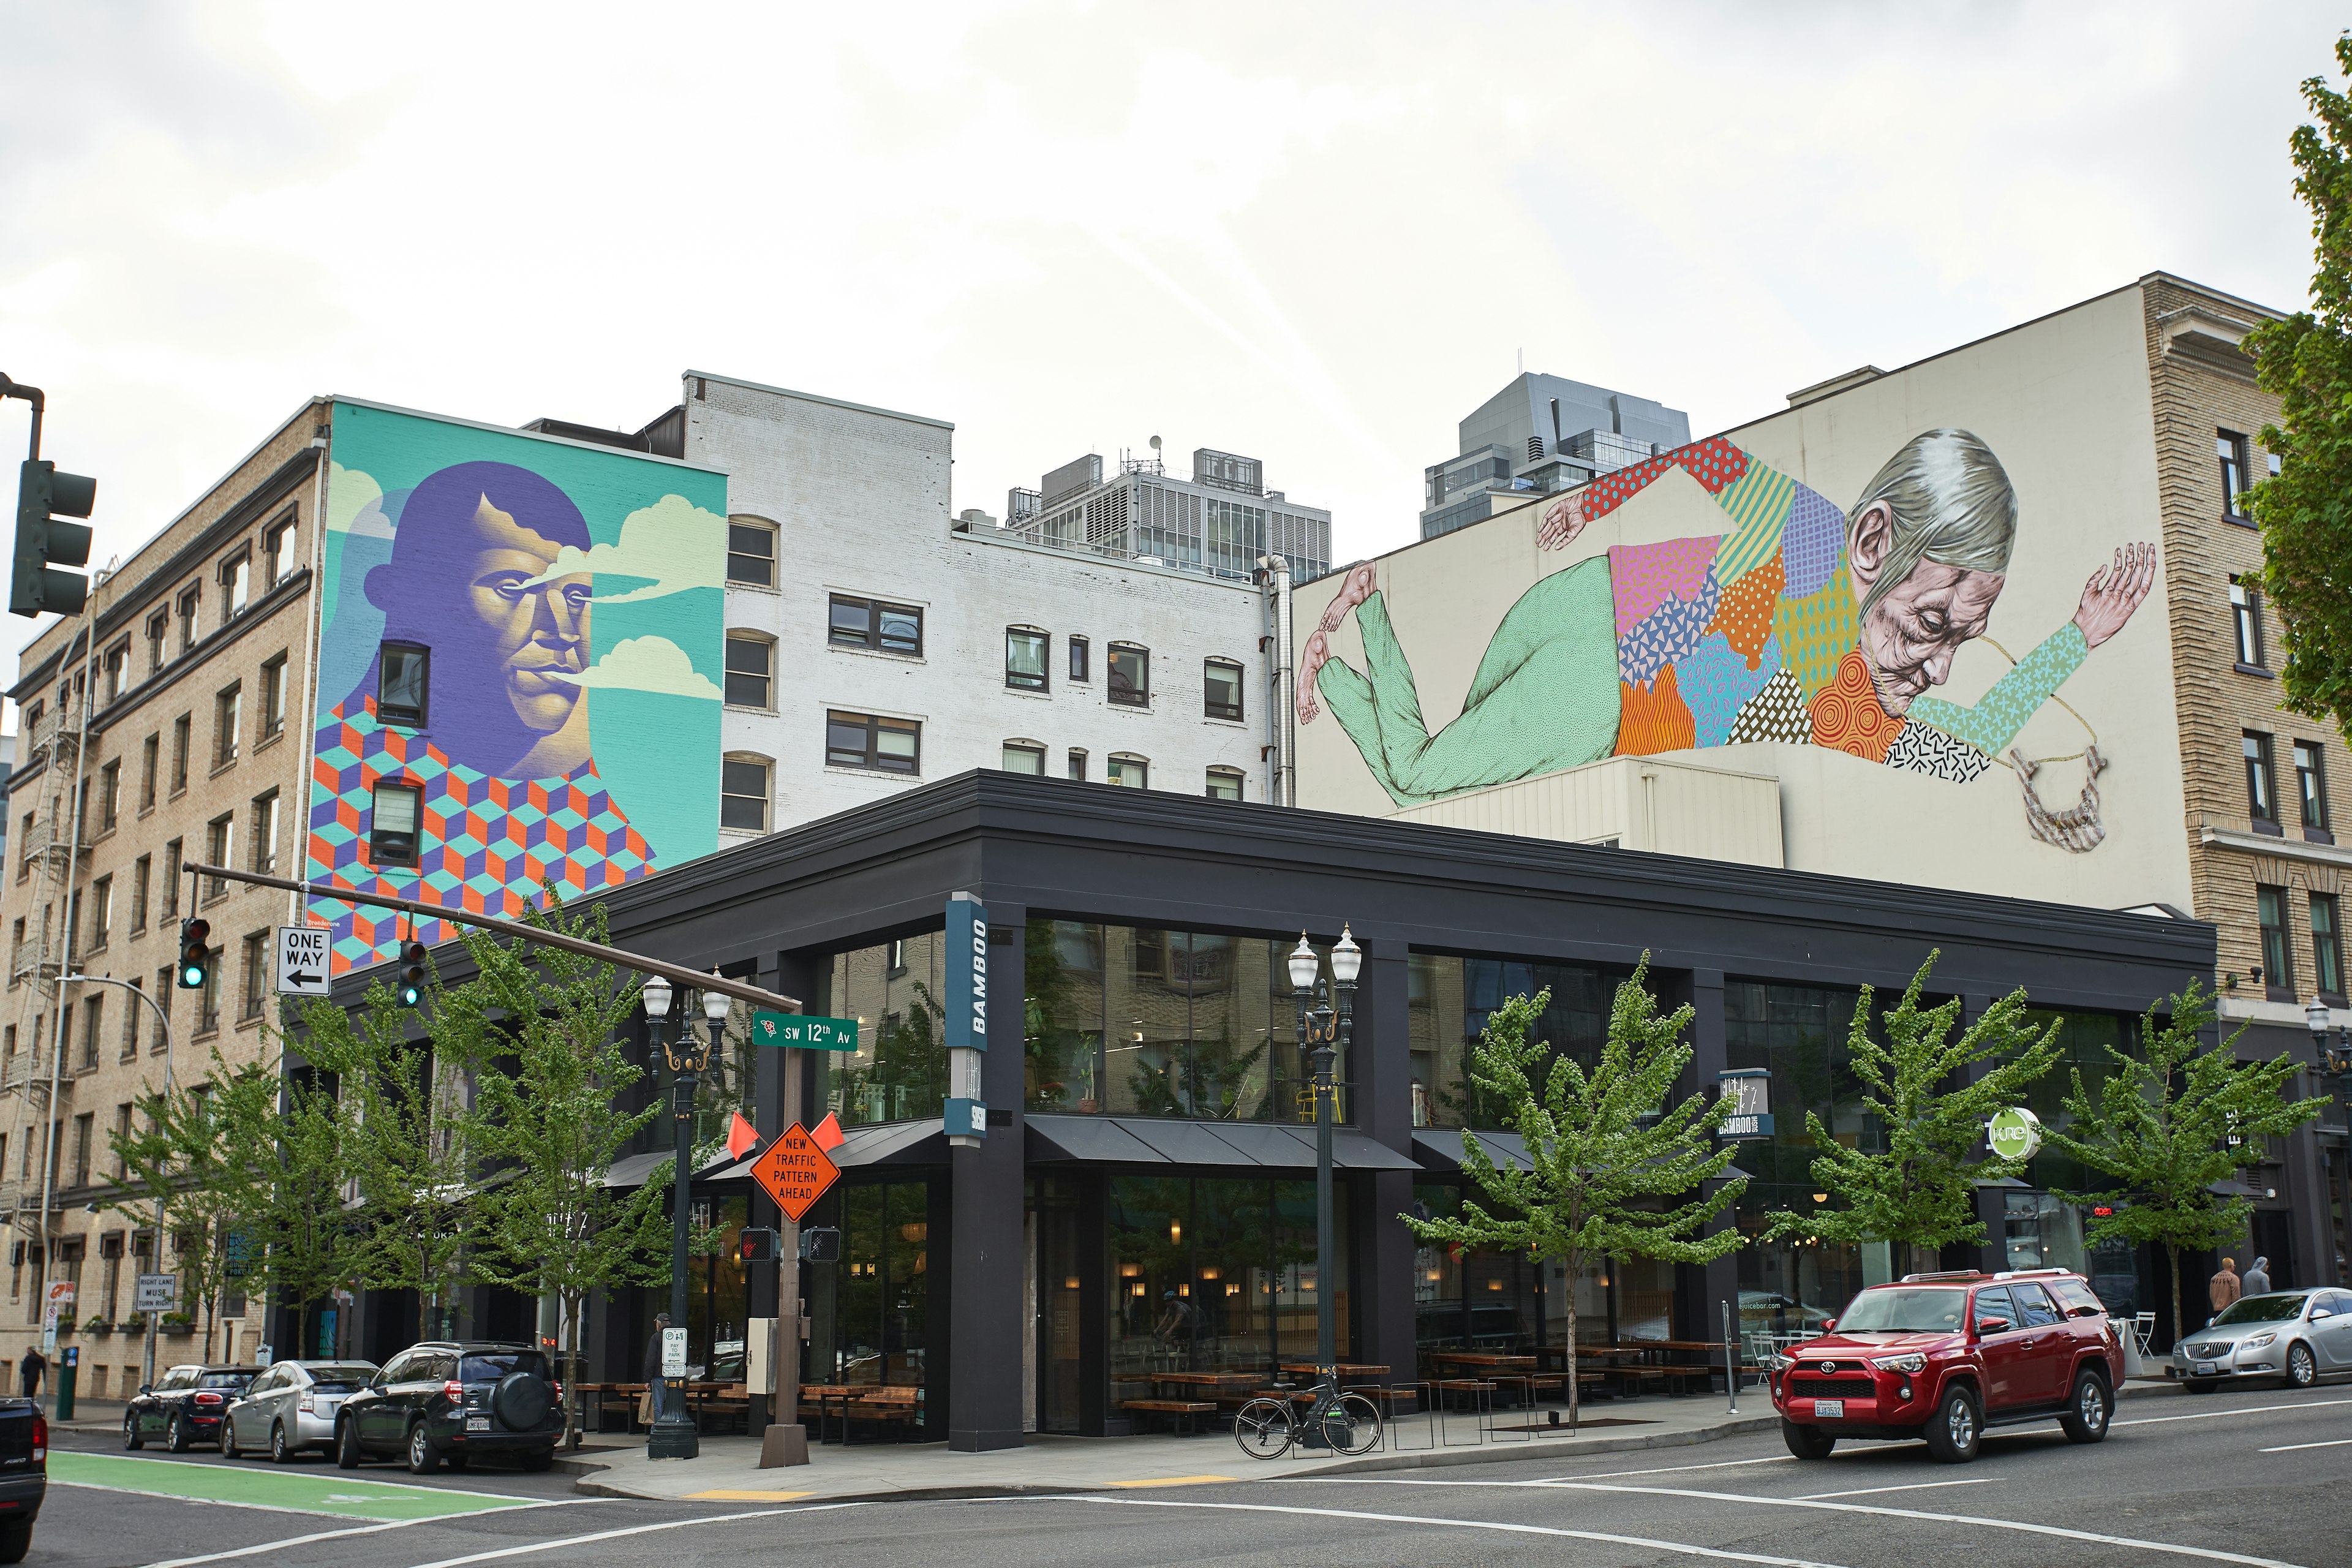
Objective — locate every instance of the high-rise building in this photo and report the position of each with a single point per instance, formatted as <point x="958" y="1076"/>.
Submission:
<point x="1219" y="521"/>
<point x="1542" y="433"/>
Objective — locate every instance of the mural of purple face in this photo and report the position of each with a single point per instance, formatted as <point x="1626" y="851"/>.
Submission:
<point x="471" y="539"/>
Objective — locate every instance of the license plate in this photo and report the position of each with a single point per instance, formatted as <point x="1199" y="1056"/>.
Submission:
<point x="477" y="1423"/>
<point x="1829" y="1409"/>
<point x="2202" y="1368"/>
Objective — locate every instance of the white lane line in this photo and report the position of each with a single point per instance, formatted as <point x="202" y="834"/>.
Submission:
<point x="557" y="1544"/>
<point x="2019" y="1525"/>
<point x="2291" y="1447"/>
<point x="1544" y="1481"/>
<point x="1648" y="1544"/>
<point x="337" y="1534"/>
<point x="1913" y="1487"/>
<point x="2217" y="1414"/>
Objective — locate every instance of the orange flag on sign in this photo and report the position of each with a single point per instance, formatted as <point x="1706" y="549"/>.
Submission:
<point x="827" y="1133"/>
<point x="741" y="1137"/>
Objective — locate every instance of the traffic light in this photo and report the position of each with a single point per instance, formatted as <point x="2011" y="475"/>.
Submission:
<point x="821" y="1244"/>
<point x="412" y="974"/>
<point x="44" y="543"/>
<point x="195" y="953"/>
<point x="758" y="1246"/>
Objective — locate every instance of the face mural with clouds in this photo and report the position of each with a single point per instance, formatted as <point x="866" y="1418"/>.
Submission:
<point x="567" y="605"/>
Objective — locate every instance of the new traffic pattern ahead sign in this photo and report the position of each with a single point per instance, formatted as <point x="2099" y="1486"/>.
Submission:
<point x="794" y="1171"/>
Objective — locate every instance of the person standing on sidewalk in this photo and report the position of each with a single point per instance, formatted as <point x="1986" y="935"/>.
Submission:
<point x="2225" y="1287"/>
<point x="28" y="1373"/>
<point x="657" y="1386"/>
<point x="2258" y="1278"/>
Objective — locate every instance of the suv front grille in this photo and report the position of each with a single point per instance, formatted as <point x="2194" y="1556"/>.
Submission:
<point x="1832" y="1388"/>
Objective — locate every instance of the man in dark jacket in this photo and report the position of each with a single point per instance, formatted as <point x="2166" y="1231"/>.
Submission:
<point x="657" y="1384"/>
<point x="28" y="1373"/>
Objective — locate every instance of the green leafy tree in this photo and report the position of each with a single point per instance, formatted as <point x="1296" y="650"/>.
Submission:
<point x="309" y="1245"/>
<point x="1919" y="1190"/>
<point x="2170" y="1125"/>
<point x="1609" y="1157"/>
<point x="2306" y="361"/>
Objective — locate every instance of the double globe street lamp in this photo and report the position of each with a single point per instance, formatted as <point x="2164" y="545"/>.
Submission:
<point x="674" y="1434"/>
<point x="1327" y="1035"/>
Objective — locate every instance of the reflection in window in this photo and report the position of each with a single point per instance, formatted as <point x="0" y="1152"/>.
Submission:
<point x="1221" y="689"/>
<point x="401" y="683"/>
<point x="869" y="1313"/>
<point x="1025" y="652"/>
<point x="899" y="1071"/>
<point x="1455" y="996"/>
<point x="392" y="823"/>
<point x="1130" y="676"/>
<point x="871" y="624"/>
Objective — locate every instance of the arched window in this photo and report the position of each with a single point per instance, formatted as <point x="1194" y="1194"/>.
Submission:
<point x="752" y="552"/>
<point x="751" y="670"/>
<point x="1026" y="650"/>
<point x="1221" y="689"/>
<point x="1225" y="783"/>
<point x="1025" y="757"/>
<point x="1126" y="768"/>
<point x="743" y="790"/>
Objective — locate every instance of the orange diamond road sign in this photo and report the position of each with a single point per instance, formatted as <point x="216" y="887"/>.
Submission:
<point x="794" y="1171"/>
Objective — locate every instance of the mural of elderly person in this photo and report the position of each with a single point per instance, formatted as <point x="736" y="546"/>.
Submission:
<point x="1801" y="623"/>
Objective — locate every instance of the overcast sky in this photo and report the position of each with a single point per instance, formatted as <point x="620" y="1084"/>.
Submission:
<point x="1317" y="233"/>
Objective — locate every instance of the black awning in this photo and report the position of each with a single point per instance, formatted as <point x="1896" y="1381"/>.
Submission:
<point x="1440" y="1149"/>
<point x="1247" y="1145"/>
<point x="1187" y="1142"/>
<point x="1095" y="1139"/>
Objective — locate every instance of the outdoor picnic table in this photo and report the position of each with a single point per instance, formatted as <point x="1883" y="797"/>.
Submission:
<point x="1491" y="1360"/>
<point x="1360" y="1371"/>
<point x="1205" y="1379"/>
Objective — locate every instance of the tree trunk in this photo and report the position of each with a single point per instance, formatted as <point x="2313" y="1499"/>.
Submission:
<point x="1575" y="1268"/>
<point x="568" y="1337"/>
<point x="2179" y="1323"/>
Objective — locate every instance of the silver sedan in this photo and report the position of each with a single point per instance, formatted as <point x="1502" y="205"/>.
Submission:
<point x="2294" y="1336"/>
<point x="292" y="1406"/>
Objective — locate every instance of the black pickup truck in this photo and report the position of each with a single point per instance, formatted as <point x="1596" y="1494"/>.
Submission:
<point x="24" y="1474"/>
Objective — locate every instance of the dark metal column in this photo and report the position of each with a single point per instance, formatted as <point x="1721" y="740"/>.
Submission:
<point x="986" y="1307"/>
<point x="1380" y="1063"/>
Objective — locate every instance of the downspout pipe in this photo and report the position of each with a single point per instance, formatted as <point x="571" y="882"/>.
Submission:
<point x="1281" y="721"/>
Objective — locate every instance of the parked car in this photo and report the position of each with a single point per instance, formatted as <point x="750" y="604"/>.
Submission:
<point x="455" y="1400"/>
<point x="292" y="1406"/>
<point x="1944" y="1356"/>
<point x="2296" y="1336"/>
<point x="184" y="1406"/>
<point x="24" y="1474"/>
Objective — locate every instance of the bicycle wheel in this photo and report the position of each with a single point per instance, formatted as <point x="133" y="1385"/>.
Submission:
<point x="1353" y="1425"/>
<point x="1262" y="1428"/>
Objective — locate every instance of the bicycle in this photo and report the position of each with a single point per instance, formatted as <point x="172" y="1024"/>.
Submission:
<point x="1266" y="1427"/>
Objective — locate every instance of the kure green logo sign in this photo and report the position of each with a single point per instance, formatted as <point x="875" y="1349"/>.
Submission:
<point x="2014" y="1133"/>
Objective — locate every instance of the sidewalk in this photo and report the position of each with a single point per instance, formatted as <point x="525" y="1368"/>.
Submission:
<point x="727" y="1470"/>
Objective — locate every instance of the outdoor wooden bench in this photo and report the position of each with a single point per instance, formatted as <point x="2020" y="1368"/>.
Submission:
<point x="1189" y="1409"/>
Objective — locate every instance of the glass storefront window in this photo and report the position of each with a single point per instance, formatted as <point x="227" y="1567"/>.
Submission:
<point x="869" y="1312"/>
<point x="899" y="1070"/>
<point x="1450" y="1001"/>
<point x="715" y="1316"/>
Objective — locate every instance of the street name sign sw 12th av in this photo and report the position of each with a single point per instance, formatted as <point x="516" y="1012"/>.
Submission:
<point x="794" y="1171"/>
<point x="804" y="1031"/>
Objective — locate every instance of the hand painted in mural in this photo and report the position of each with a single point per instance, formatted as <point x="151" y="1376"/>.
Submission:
<point x="1799" y="624"/>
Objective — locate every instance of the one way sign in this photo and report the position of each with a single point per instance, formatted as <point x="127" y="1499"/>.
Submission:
<point x="302" y="960"/>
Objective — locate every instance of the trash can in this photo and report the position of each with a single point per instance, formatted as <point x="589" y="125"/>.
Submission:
<point x="65" y="1376"/>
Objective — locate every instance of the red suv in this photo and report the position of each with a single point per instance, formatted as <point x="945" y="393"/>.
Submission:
<point x="1944" y="1356"/>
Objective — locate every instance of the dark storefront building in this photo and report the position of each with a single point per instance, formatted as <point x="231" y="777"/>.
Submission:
<point x="1144" y="1199"/>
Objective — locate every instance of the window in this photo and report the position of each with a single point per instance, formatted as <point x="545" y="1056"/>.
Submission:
<point x="142" y="874"/>
<point x="16" y="969"/>
<point x="1225" y="783"/>
<point x="2326" y="945"/>
<point x="1079" y="650"/>
<point x="2262" y="796"/>
<point x="265" y="834"/>
<point x="1025" y="652"/>
<point x="169" y="904"/>
<point x="237" y="578"/>
<point x="750" y="664"/>
<point x="158" y="624"/>
<point x="161" y="1039"/>
<point x="122" y="1135"/>
<point x="2270" y="907"/>
<point x="401" y="683"/>
<point x="2246" y="621"/>
<point x="150" y="760"/>
<point x="1025" y="757"/>
<point x="273" y="698"/>
<point x="743" y="794"/>
<point x="110" y="796"/>
<point x="1077" y="763"/>
<point x="25" y="853"/>
<point x="131" y="1008"/>
<point x="2231" y="449"/>
<point x="93" y="1017"/>
<point x="751" y="554"/>
<point x="208" y="999"/>
<point x="219" y="833"/>
<point x="101" y="912"/>
<point x="118" y="663"/>
<point x="1133" y="772"/>
<point x="256" y="975"/>
<point x="227" y="716"/>
<point x="182" y="728"/>
<point x="871" y="624"/>
<point x="1221" y="689"/>
<point x="866" y="740"/>
<point x="1130" y="675"/>
<point x="278" y="551"/>
<point x="81" y="1148"/>
<point x="189" y="601"/>
<point x="392" y="818"/>
<point x="2311" y="783"/>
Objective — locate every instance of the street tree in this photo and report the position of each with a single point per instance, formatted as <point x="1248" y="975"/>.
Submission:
<point x="2306" y="359"/>
<point x="1610" y="1162"/>
<point x="309" y="1246"/>
<point x="1929" y="1112"/>
<point x="2171" y="1125"/>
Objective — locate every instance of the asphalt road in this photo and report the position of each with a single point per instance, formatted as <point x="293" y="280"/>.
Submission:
<point x="2252" y="1476"/>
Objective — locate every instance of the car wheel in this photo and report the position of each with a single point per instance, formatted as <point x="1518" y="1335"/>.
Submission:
<point x="2302" y="1372"/>
<point x="2197" y="1384"/>
<point x="2087" y="1412"/>
<point x="1956" y="1428"/>
<point x="16" y="1539"/>
<point x="175" y="1434"/>
<point x="131" y="1437"/>
<point x="347" y="1447"/>
<point x="424" y="1459"/>
<point x="538" y="1458"/>
<point x="280" y="1451"/>
<point x="227" y="1439"/>
<point x="1806" y="1442"/>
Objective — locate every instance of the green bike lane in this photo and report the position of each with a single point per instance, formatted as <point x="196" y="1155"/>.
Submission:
<point x="335" y="1494"/>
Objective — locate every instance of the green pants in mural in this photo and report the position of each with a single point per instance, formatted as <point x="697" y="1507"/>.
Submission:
<point x="1545" y="697"/>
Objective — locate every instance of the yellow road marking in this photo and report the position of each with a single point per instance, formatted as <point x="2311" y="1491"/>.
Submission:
<point x="730" y="1495"/>
<point x="1175" y="1481"/>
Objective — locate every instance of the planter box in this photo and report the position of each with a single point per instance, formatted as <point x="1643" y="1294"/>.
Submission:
<point x="178" y="1331"/>
<point x="99" y="1330"/>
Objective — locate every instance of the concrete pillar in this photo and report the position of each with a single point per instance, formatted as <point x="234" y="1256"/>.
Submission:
<point x="985" y="1319"/>
<point x="1381" y="1064"/>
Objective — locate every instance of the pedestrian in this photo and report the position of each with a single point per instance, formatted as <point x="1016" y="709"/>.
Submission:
<point x="2225" y="1287"/>
<point x="28" y="1373"/>
<point x="657" y="1385"/>
<point x="2258" y="1278"/>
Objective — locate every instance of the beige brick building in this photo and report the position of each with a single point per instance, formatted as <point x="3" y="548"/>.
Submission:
<point x="161" y="727"/>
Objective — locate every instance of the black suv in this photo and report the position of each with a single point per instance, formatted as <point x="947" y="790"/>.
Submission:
<point x="453" y="1399"/>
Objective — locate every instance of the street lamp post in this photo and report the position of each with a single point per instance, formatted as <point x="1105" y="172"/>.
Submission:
<point x="2335" y="1050"/>
<point x="1326" y="1033"/>
<point x="674" y="1434"/>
